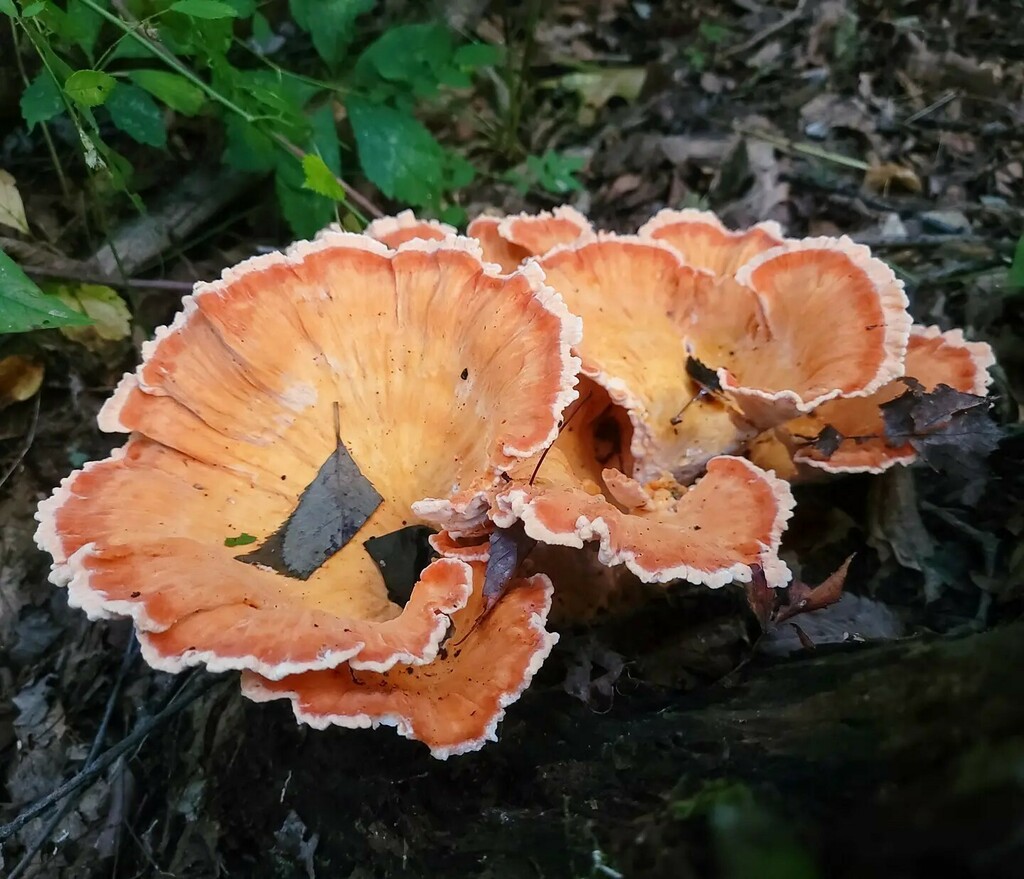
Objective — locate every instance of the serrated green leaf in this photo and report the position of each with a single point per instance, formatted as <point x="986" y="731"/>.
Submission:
<point x="111" y="320"/>
<point x="41" y="100"/>
<point x="1017" y="266"/>
<point x="417" y="56"/>
<point x="135" y="113"/>
<point x="23" y="306"/>
<point x="319" y="178"/>
<point x="398" y="155"/>
<point x="90" y="88"/>
<point x="330" y="23"/>
<point x="210" y="10"/>
<point x="175" y="91"/>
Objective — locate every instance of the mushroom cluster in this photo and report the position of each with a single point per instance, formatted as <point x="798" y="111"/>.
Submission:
<point x="361" y="471"/>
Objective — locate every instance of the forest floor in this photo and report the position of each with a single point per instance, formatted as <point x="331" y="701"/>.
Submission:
<point x="719" y="751"/>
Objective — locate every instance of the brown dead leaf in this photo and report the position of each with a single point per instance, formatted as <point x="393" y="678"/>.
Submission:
<point x="761" y="597"/>
<point x="886" y="175"/>
<point x="20" y="379"/>
<point x="804" y="599"/>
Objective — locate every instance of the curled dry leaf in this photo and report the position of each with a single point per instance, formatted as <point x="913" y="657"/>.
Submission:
<point x="20" y="379"/>
<point x="12" y="209"/>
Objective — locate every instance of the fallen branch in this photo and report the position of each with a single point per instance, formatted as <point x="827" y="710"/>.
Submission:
<point x="97" y="742"/>
<point x="191" y="690"/>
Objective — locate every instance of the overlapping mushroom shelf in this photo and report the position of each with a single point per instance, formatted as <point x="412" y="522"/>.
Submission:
<point x="629" y="408"/>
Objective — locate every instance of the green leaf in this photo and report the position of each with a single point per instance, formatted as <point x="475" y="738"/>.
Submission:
<point x="23" y="306"/>
<point x="714" y="33"/>
<point x="474" y="55"/>
<point x="205" y="9"/>
<point x="1017" y="266"/>
<point x="41" y="100"/>
<point x="248" y="149"/>
<point x="33" y="9"/>
<point x="243" y="539"/>
<point x="331" y="24"/>
<point x="398" y="155"/>
<point x="83" y="25"/>
<point x="417" y="56"/>
<point x="319" y="178"/>
<point x="324" y="138"/>
<point x="306" y="211"/>
<point x="175" y="91"/>
<point x="243" y="8"/>
<point x="136" y="114"/>
<point x="7" y="8"/>
<point x="90" y="88"/>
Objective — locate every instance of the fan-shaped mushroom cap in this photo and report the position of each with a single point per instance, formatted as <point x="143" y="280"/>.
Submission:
<point x="645" y="312"/>
<point x="455" y="703"/>
<point x="441" y="376"/>
<point x="406" y="226"/>
<point x="706" y="244"/>
<point x="933" y="358"/>
<point x="507" y="241"/>
<point x="710" y="533"/>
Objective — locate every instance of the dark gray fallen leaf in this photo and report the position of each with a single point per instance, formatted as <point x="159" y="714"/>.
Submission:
<point x="331" y="510"/>
<point x="401" y="556"/>
<point x="508" y="548"/>
<point x="852" y="618"/>
<point x="828" y="441"/>
<point x="952" y="432"/>
<point x="703" y="375"/>
<point x="583" y="682"/>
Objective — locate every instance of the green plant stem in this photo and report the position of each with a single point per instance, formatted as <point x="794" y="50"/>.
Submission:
<point x="51" y="149"/>
<point x="169" y="60"/>
<point x="225" y="102"/>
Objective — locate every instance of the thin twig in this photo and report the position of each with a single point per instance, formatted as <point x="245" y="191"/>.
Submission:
<point x="803" y="149"/>
<point x="97" y="743"/>
<point x="932" y="107"/>
<point x="193" y="688"/>
<point x="925" y="241"/>
<point x="784" y="22"/>
<point x="106" y="280"/>
<point x="64" y="188"/>
<point x="29" y="439"/>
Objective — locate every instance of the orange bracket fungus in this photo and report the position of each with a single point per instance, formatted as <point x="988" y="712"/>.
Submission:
<point x="648" y="315"/>
<point x="397" y="230"/>
<point x="293" y="413"/>
<point x="363" y="471"/>
<point x="507" y="241"/>
<point x="453" y="704"/>
<point x="705" y="243"/>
